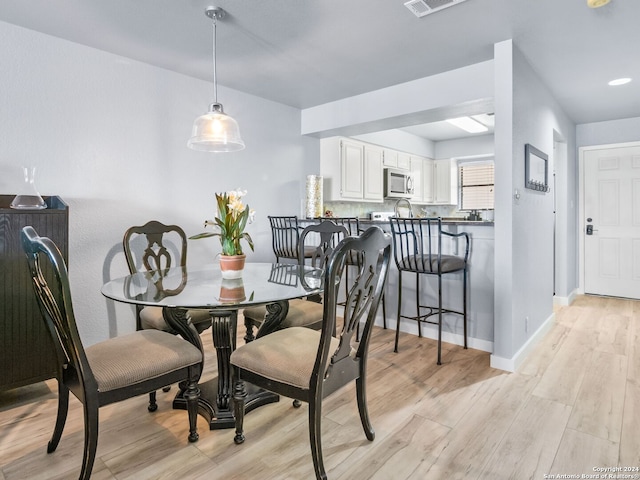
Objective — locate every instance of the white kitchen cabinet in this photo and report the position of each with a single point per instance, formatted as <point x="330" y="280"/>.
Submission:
<point x="373" y="178"/>
<point x="390" y="159"/>
<point x="404" y="161"/>
<point x="416" y="166"/>
<point x="445" y="182"/>
<point x="351" y="170"/>
<point x="422" y="170"/>
<point x="427" y="180"/>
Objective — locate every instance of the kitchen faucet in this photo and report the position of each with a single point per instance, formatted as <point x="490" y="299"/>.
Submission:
<point x="403" y="203"/>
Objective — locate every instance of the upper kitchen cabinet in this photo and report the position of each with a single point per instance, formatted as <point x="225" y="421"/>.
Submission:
<point x="390" y="158"/>
<point x="373" y="177"/>
<point x="404" y="161"/>
<point x="395" y="159"/>
<point x="435" y="181"/>
<point x="352" y="170"/>
<point x="445" y="182"/>
<point x="422" y="175"/>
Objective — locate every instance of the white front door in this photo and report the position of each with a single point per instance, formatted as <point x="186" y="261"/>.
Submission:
<point x="612" y="221"/>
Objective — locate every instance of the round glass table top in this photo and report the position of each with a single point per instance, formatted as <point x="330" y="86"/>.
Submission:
<point x="204" y="287"/>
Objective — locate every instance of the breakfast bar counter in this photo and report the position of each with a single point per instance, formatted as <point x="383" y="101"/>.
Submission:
<point x="480" y="288"/>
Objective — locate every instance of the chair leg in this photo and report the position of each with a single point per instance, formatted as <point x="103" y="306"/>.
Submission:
<point x="63" y="408"/>
<point x="153" y="406"/>
<point x="90" y="437"/>
<point x="361" y="394"/>
<point x="395" y="349"/>
<point x="418" y="304"/>
<point x="439" y="319"/>
<point x="192" y="395"/>
<point x="315" y="416"/>
<point x="239" y="398"/>
<point x="384" y="311"/>
<point x="464" y="304"/>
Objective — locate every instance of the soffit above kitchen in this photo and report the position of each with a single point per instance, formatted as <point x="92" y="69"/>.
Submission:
<point x="306" y="53"/>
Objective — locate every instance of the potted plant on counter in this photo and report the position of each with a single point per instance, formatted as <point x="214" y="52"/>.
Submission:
<point x="233" y="216"/>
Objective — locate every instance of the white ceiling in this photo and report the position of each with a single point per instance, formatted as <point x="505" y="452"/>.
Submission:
<point x="308" y="52"/>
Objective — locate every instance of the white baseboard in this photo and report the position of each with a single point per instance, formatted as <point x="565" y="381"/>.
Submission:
<point x="565" y="301"/>
<point x="512" y="364"/>
<point x="431" y="331"/>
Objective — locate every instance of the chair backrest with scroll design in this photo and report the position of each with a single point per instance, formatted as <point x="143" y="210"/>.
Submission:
<point x="307" y="364"/>
<point x="155" y="247"/>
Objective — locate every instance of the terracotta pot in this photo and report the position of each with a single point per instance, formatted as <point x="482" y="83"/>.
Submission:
<point x="232" y="291"/>
<point x="231" y="266"/>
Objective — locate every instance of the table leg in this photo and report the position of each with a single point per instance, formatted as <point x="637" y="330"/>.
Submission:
<point x="215" y="403"/>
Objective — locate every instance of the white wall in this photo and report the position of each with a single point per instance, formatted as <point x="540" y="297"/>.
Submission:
<point x="401" y="141"/>
<point x="419" y="101"/>
<point x="613" y="131"/>
<point x="465" y="147"/>
<point x="109" y="134"/>
<point x="525" y="112"/>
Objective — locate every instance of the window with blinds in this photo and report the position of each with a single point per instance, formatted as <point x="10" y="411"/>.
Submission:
<point x="476" y="186"/>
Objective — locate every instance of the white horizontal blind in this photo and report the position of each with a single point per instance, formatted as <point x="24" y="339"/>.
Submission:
<point x="476" y="186"/>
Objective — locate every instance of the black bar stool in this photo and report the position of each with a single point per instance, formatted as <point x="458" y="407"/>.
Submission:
<point x="285" y="235"/>
<point x="352" y="224"/>
<point x="417" y="245"/>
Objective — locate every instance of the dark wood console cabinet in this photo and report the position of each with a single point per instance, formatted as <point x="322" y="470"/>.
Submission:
<point x="26" y="349"/>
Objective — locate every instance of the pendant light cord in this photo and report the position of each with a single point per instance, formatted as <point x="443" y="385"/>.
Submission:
<point x="215" y="80"/>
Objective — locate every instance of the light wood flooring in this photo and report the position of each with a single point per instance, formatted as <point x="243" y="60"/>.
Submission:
<point x="573" y="405"/>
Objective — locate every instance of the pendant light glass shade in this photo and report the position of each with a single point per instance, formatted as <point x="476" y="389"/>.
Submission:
<point x="215" y="131"/>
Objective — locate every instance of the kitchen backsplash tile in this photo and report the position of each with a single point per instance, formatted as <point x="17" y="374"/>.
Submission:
<point x="362" y="210"/>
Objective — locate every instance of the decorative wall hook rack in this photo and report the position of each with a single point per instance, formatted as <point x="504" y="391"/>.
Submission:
<point x="536" y="169"/>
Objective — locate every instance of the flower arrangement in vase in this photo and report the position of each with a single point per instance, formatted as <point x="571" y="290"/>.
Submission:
<point x="232" y="219"/>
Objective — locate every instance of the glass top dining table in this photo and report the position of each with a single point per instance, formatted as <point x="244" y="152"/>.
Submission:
<point x="179" y="289"/>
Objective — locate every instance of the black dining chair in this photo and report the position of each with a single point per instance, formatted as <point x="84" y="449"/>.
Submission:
<point x="154" y="248"/>
<point x="111" y="370"/>
<point x="308" y="365"/>
<point x="418" y="249"/>
<point x="303" y="312"/>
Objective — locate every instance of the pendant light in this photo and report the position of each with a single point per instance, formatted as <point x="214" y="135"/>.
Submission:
<point x="215" y="131"/>
<point x="597" y="3"/>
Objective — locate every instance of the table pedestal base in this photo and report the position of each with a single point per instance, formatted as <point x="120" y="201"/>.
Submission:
<point x="222" y="417"/>
<point x="216" y="395"/>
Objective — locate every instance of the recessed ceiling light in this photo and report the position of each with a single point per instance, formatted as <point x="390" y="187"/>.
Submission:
<point x="468" y="124"/>
<point x="619" y="81"/>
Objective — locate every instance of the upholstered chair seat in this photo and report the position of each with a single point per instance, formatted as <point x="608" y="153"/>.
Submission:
<point x="302" y="313"/>
<point x="284" y="356"/>
<point x="151" y="318"/>
<point x="134" y="358"/>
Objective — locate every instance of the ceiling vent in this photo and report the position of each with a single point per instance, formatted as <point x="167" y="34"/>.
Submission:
<point x="420" y="8"/>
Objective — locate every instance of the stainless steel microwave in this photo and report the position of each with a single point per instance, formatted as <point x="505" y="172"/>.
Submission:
<point x="397" y="183"/>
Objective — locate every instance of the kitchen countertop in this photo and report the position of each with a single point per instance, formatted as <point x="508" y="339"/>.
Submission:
<point x="445" y="221"/>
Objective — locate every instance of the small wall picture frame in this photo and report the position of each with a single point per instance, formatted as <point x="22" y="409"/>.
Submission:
<point x="536" y="169"/>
